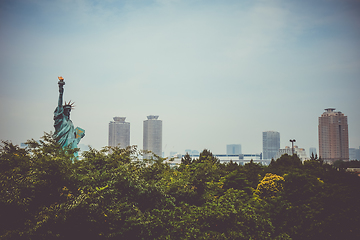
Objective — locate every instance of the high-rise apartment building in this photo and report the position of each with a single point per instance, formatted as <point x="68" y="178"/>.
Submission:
<point x="152" y="135"/>
<point x="119" y="132"/>
<point x="271" y="144"/>
<point x="333" y="136"/>
<point x="233" y="149"/>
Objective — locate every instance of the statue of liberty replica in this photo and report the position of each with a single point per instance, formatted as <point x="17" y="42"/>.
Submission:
<point x="65" y="133"/>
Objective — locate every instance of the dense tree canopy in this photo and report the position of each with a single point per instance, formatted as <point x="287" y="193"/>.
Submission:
<point x="112" y="194"/>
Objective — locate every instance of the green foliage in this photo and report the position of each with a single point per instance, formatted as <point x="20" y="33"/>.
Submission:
<point x="186" y="160"/>
<point x="111" y="194"/>
<point x="285" y="164"/>
<point x="253" y="172"/>
<point x="237" y="180"/>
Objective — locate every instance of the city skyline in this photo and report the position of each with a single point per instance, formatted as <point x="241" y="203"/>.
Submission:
<point x="217" y="72"/>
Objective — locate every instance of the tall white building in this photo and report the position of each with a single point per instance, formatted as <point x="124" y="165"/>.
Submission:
<point x="119" y="132"/>
<point x="271" y="144"/>
<point x="152" y="135"/>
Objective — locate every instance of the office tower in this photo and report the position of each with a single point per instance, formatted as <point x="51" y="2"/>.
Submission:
<point x="233" y="149"/>
<point x="271" y="144"/>
<point x="333" y="136"/>
<point x="152" y="136"/>
<point x="119" y="132"/>
<point x="312" y="150"/>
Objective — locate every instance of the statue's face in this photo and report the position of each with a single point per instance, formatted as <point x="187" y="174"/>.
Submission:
<point x="67" y="111"/>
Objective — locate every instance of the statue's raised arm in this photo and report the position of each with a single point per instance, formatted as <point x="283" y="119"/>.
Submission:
<point x="61" y="84"/>
<point x="65" y="133"/>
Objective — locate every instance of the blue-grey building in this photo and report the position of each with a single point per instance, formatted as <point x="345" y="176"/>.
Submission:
<point x="271" y="144"/>
<point x="233" y="149"/>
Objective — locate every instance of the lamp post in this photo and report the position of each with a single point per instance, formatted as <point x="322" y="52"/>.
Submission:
<point x="292" y="147"/>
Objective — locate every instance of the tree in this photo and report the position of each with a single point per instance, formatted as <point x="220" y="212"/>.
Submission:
<point x="270" y="186"/>
<point x="207" y="155"/>
<point x="253" y="172"/>
<point x="186" y="160"/>
<point x="285" y="164"/>
<point x="32" y="179"/>
<point x="237" y="180"/>
<point x="113" y="194"/>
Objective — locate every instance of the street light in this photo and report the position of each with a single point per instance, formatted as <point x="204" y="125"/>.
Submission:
<point x="292" y="147"/>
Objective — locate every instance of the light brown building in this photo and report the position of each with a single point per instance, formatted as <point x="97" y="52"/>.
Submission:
<point x="333" y="136"/>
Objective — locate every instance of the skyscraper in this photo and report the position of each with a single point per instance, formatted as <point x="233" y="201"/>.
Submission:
<point x="119" y="132"/>
<point x="152" y="136"/>
<point x="271" y="144"/>
<point x="233" y="149"/>
<point x="333" y="136"/>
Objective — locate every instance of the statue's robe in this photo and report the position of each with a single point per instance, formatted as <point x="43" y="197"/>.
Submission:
<point x="65" y="133"/>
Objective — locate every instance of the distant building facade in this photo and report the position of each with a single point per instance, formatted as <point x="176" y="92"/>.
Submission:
<point x="312" y="150"/>
<point x="271" y="144"/>
<point x="354" y="153"/>
<point x="300" y="152"/>
<point x="233" y="149"/>
<point x="241" y="159"/>
<point x="333" y="136"/>
<point x="192" y="152"/>
<point x="119" y="132"/>
<point x="173" y="154"/>
<point x="195" y="152"/>
<point x="152" y="135"/>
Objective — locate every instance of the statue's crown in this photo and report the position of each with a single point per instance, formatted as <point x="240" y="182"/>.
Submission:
<point x="69" y="105"/>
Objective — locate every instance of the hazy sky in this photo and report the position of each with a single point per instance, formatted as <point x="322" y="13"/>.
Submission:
<point x="216" y="72"/>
